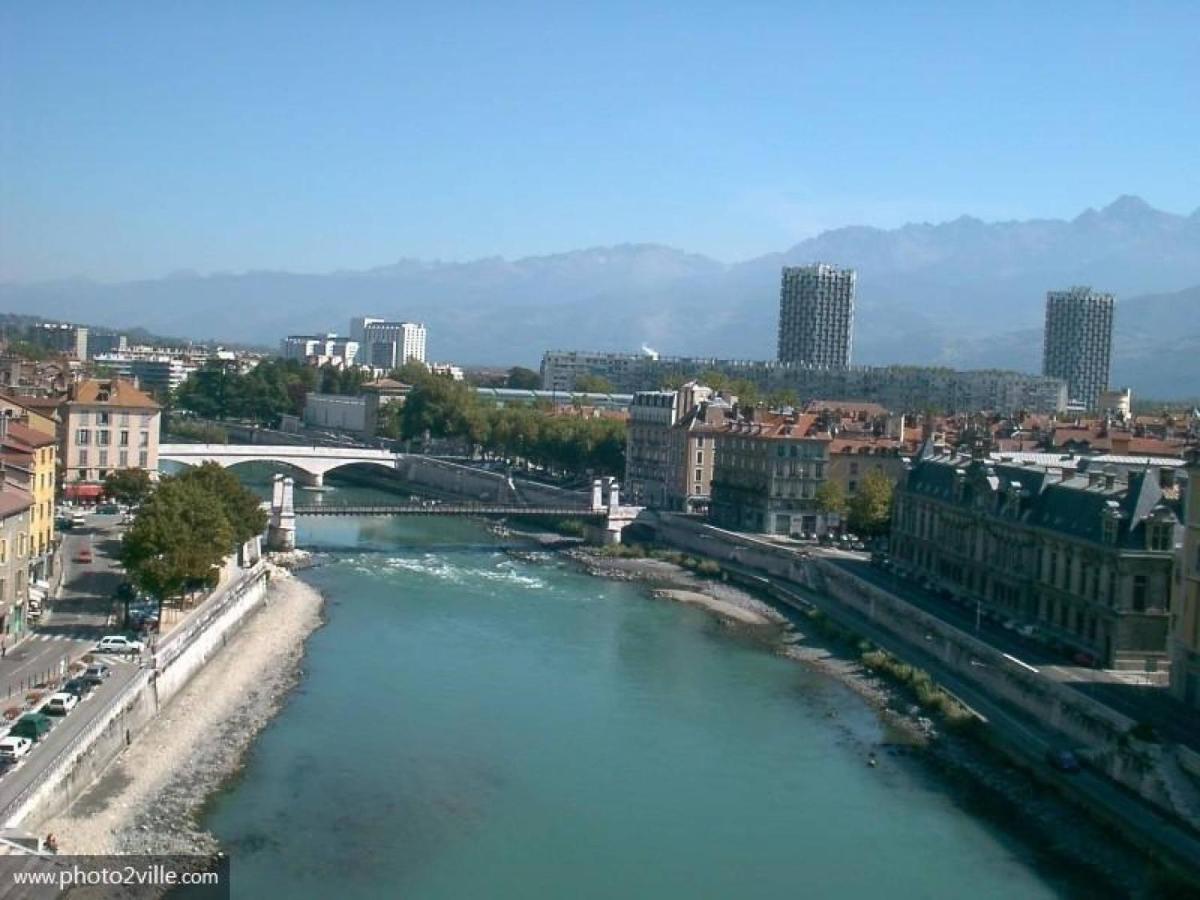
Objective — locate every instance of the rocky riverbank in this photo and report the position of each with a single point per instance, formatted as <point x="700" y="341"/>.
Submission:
<point x="150" y="798"/>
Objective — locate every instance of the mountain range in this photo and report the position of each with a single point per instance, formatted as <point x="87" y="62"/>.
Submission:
<point x="964" y="293"/>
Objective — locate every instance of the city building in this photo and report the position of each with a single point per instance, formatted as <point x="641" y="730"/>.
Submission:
<point x="379" y="394"/>
<point x="319" y="349"/>
<point x="106" y="343"/>
<point x="816" y="316"/>
<point x="358" y="328"/>
<point x="1185" y="605"/>
<point x="107" y="424"/>
<point x="766" y="474"/>
<point x="157" y="374"/>
<point x="69" y="340"/>
<point x="521" y="397"/>
<point x="33" y="453"/>
<point x="648" y="464"/>
<point x="902" y="388"/>
<point x="38" y="413"/>
<point x="335" y="411"/>
<point x="1084" y="556"/>
<point x="21" y="377"/>
<point x="1078" y="342"/>
<point x="15" y="503"/>
<point x="390" y="345"/>
<point x="692" y="448"/>
<point x="1117" y="402"/>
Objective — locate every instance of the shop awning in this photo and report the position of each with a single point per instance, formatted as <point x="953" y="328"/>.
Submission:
<point x="83" y="491"/>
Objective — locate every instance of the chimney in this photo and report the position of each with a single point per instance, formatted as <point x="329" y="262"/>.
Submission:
<point x="4" y="425"/>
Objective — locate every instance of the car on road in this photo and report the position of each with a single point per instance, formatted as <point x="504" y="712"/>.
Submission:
<point x="13" y="748"/>
<point x="78" y="520"/>
<point x="118" y="643"/>
<point x="83" y="555"/>
<point x="60" y="704"/>
<point x="108" y="509"/>
<point x="1064" y="761"/>
<point x="96" y="673"/>
<point x="79" y="686"/>
<point x="31" y="725"/>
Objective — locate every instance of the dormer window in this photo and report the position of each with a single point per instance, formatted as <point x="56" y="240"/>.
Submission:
<point x="1110" y="529"/>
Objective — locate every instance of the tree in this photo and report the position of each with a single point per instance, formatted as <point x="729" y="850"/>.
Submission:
<point x="593" y="384"/>
<point x="412" y="372"/>
<point x="241" y="506"/>
<point x="523" y="379"/>
<point x="871" y="506"/>
<point x="831" y="498"/>
<point x="179" y="539"/>
<point x="128" y="486"/>
<point x="781" y="397"/>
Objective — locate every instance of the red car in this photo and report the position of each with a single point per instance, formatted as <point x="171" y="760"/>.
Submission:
<point x="84" y="555"/>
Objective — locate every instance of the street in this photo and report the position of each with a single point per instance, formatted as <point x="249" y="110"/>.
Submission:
<point x="70" y="627"/>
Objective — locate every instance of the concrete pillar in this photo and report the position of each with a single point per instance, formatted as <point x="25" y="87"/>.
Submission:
<point x="276" y="493"/>
<point x="614" y="495"/>
<point x="281" y="535"/>
<point x="597" y="495"/>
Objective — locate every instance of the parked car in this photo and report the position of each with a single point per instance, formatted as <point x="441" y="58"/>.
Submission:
<point x="118" y="643"/>
<point x="108" y="509"/>
<point x="80" y="687"/>
<point x="96" y="673"/>
<point x="13" y="748"/>
<point x="83" y="555"/>
<point x="32" y="725"/>
<point x="60" y="704"/>
<point x="1064" y="761"/>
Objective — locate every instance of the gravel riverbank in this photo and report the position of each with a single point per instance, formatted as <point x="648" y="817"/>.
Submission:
<point x="149" y="799"/>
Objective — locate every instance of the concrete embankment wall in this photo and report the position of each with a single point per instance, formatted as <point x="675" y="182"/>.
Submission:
<point x="79" y="764"/>
<point x="1080" y="720"/>
<point x="473" y="483"/>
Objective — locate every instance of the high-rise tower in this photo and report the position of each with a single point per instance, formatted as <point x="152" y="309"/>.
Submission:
<point x="1078" y="341"/>
<point x="816" y="316"/>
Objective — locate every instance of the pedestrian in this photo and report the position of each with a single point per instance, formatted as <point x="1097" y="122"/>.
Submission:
<point x="3" y="648"/>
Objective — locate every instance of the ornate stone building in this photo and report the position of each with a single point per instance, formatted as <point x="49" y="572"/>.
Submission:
<point x="1085" y="556"/>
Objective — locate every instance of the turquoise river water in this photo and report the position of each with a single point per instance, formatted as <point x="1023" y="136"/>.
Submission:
<point x="473" y="726"/>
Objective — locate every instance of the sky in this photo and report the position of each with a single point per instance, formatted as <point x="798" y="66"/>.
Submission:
<point x="140" y="139"/>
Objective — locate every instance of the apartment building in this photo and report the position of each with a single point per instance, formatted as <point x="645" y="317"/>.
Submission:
<point x="1078" y="342"/>
<point x="15" y="503"/>
<point x="1185" y="604"/>
<point x="766" y="473"/>
<point x="1085" y="555"/>
<point x="34" y="455"/>
<point x="107" y="424"/>
<point x="816" y="316"/>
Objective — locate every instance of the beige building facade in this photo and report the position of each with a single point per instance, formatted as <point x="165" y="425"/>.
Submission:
<point x="107" y="424"/>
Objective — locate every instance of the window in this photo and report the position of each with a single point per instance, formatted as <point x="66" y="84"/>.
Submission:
<point x="124" y="438"/>
<point x="144" y="439"/>
<point x="102" y="437"/>
<point x="20" y="545"/>
<point x="1053" y="578"/>
<point x="1159" y="535"/>
<point x="852" y="487"/>
<point x="853" y="468"/>
<point x="123" y="459"/>
<point x="3" y="551"/>
<point x="83" y="457"/>
<point x="83" y="437"/>
<point x="143" y="459"/>
<point x="103" y="457"/>
<point x="1139" y="593"/>
<point x="699" y="474"/>
<point x="102" y="418"/>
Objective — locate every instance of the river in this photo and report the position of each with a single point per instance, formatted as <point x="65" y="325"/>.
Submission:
<point x="473" y="726"/>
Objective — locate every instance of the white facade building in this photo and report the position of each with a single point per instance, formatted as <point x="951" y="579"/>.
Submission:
<point x="392" y="344"/>
<point x="327" y="347"/>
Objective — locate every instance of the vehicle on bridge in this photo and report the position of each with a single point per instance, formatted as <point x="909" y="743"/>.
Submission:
<point x="61" y="703"/>
<point x="118" y="643"/>
<point x="13" y="748"/>
<point x="33" y="726"/>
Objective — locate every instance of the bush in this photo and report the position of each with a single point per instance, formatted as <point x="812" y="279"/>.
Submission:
<point x="708" y="567"/>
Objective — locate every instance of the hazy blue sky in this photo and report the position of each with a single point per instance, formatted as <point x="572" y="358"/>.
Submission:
<point x="141" y="138"/>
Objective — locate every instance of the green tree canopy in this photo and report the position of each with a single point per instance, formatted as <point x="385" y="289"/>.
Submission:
<point x="593" y="384"/>
<point x="871" y="506"/>
<point x="130" y="486"/>
<point x="831" y="498"/>
<point x="242" y="507"/>
<point x="523" y="379"/>
<point x="179" y="538"/>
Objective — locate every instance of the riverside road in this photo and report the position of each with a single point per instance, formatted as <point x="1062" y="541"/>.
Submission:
<point x="70" y="627"/>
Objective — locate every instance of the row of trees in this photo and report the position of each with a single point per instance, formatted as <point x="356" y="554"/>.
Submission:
<point x="271" y="389"/>
<point x="442" y="408"/>
<point x="869" y="511"/>
<point x="185" y="528"/>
